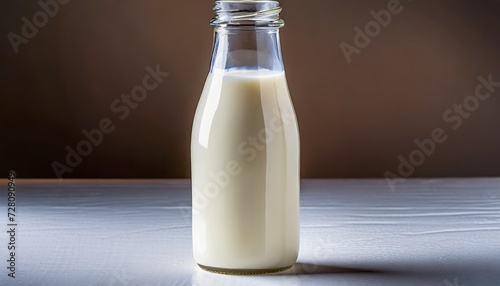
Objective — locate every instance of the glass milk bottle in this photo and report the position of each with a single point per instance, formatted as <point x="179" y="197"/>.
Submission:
<point x="245" y="148"/>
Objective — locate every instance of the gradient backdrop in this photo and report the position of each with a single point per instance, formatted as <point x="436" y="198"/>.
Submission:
<point x="355" y="118"/>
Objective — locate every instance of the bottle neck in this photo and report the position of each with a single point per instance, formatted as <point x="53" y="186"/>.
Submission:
<point x="246" y="35"/>
<point x="247" y="48"/>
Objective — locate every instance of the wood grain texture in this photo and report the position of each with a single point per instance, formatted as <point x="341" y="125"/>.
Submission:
<point x="353" y="232"/>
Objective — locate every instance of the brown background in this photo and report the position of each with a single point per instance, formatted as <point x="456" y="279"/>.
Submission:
<point x="355" y="119"/>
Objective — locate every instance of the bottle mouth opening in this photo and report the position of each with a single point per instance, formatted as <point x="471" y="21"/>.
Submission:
<point x="247" y="13"/>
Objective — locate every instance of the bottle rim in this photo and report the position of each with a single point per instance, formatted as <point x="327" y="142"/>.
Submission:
<point x="247" y="13"/>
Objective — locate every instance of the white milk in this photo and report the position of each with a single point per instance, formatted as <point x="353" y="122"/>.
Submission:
<point x="245" y="172"/>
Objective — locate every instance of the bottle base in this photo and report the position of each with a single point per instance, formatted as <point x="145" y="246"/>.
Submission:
<point x="243" y="271"/>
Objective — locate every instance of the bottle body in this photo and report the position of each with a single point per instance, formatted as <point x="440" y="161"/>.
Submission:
<point x="245" y="161"/>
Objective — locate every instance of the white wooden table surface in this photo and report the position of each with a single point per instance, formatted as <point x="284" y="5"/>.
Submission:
<point x="443" y="232"/>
